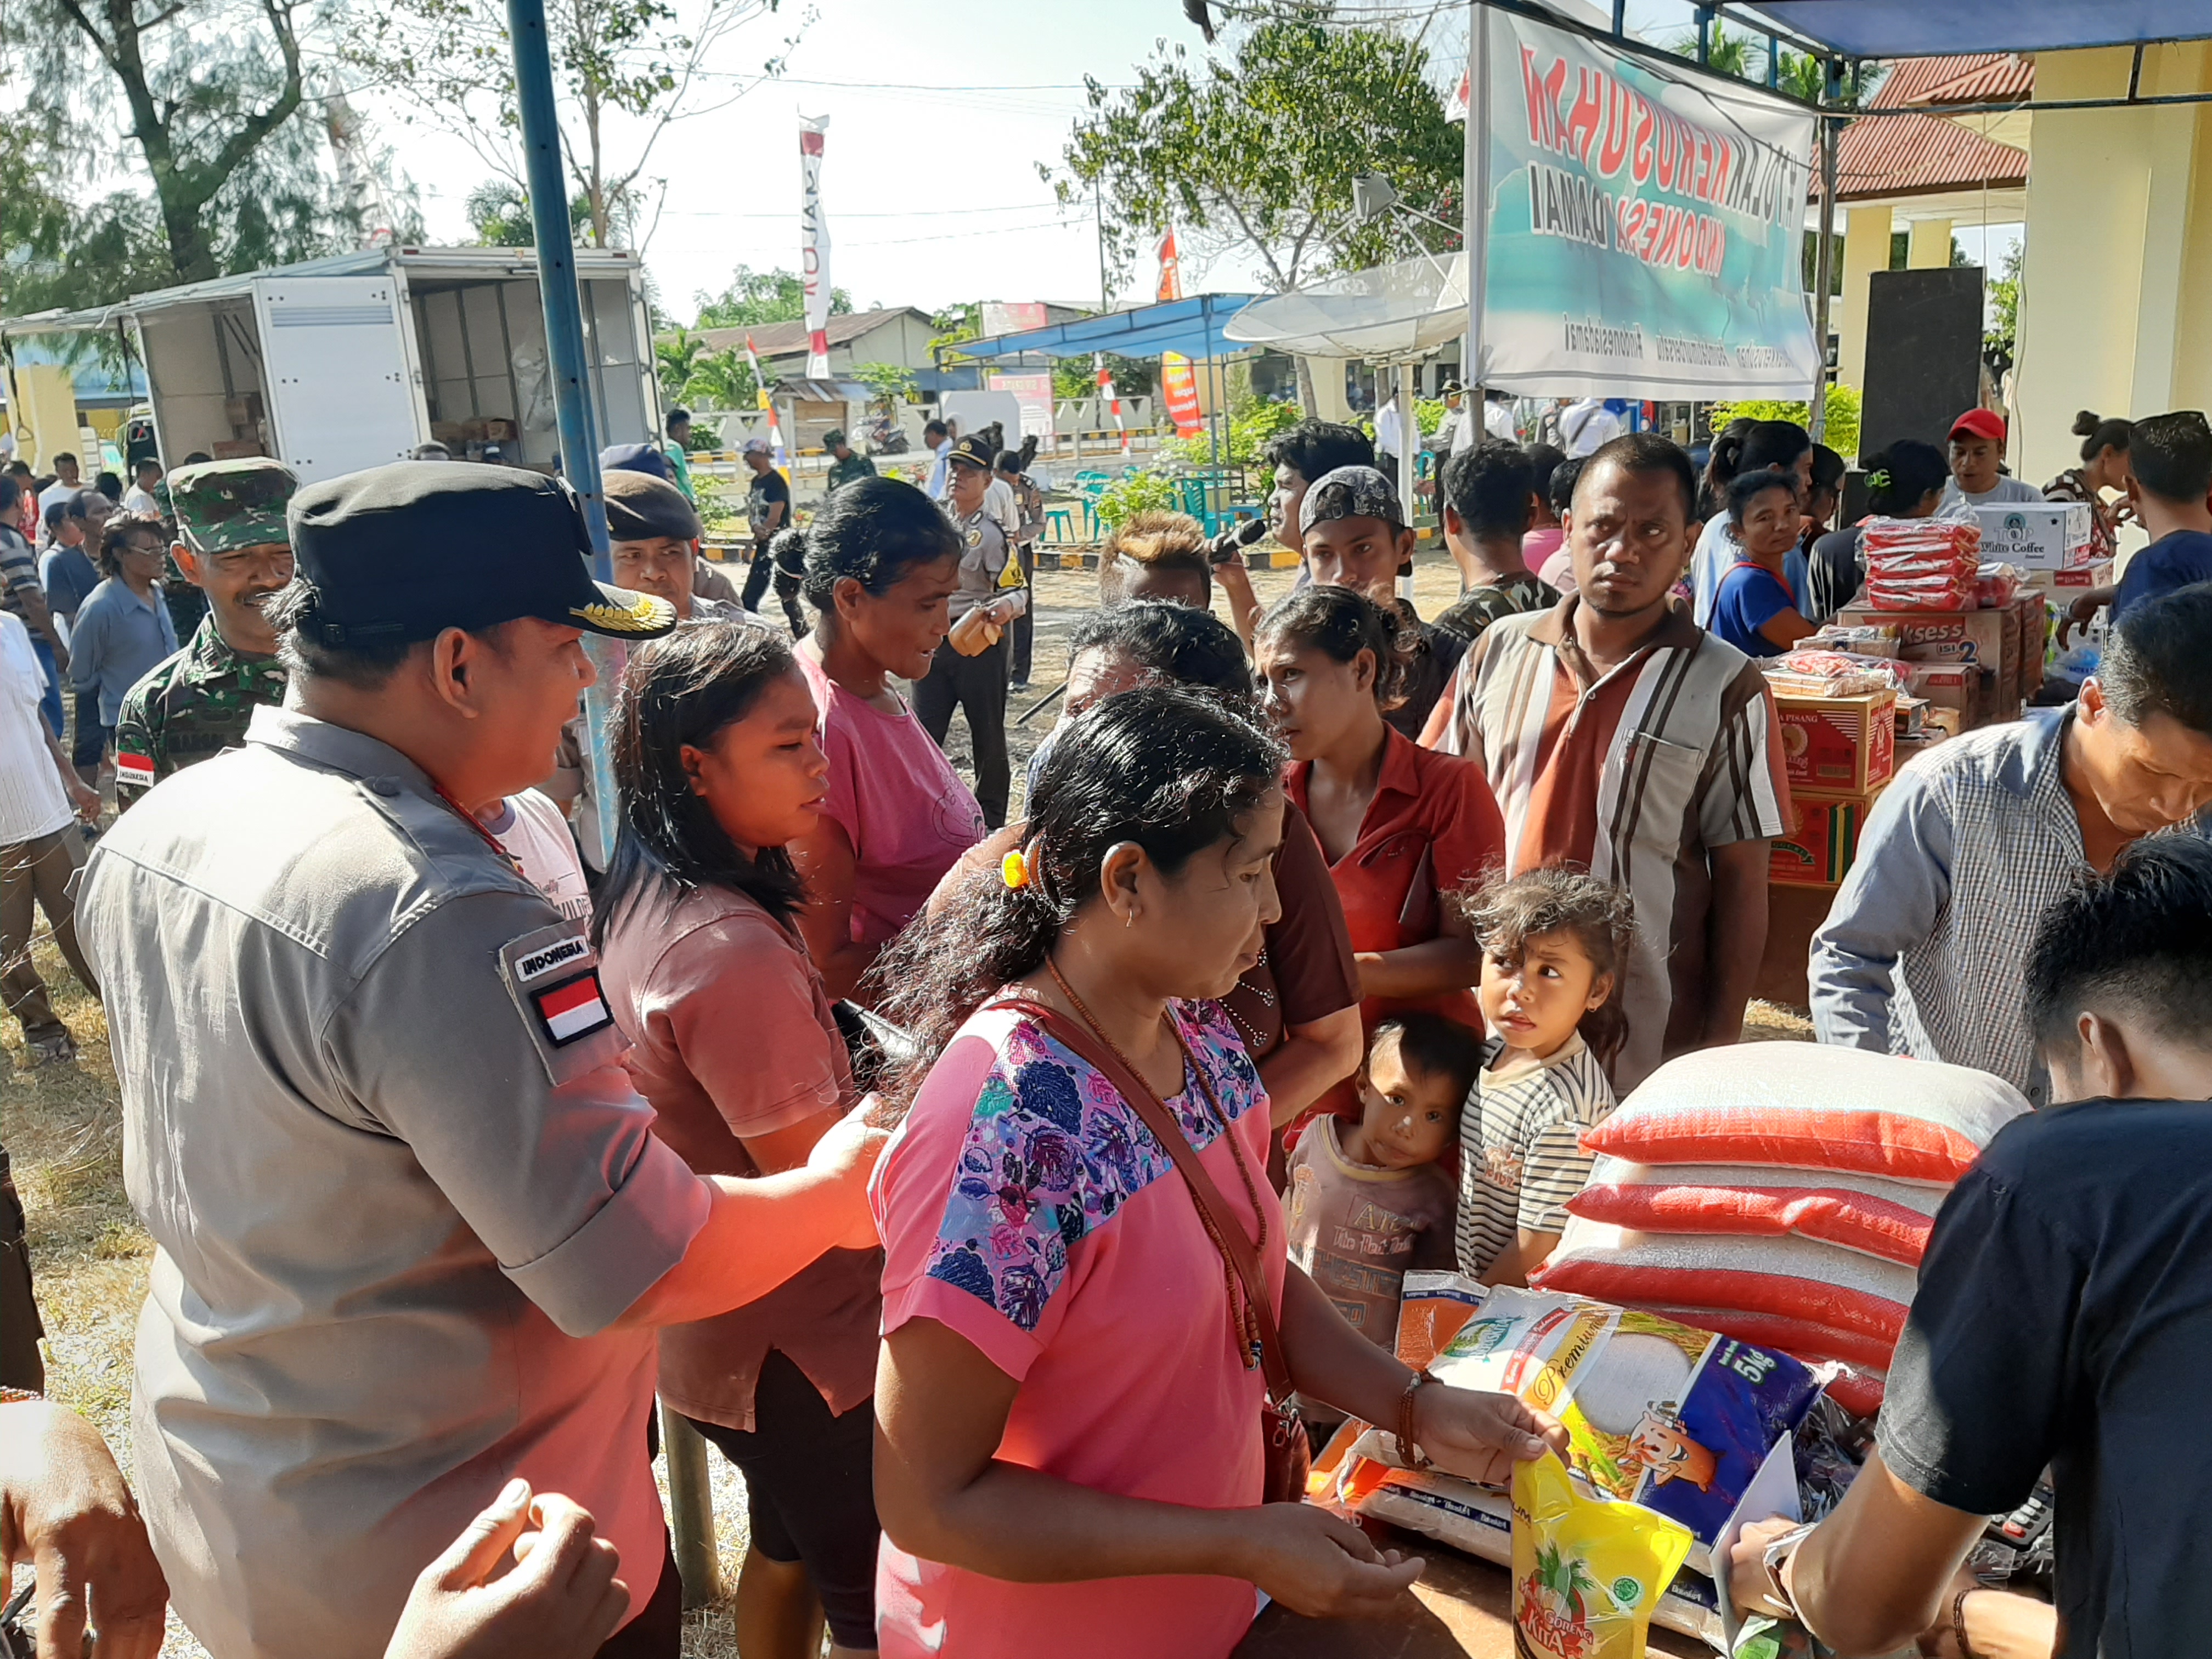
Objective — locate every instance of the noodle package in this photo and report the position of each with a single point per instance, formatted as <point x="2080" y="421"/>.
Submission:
<point x="1587" y="1572"/>
<point x="1657" y="1413"/>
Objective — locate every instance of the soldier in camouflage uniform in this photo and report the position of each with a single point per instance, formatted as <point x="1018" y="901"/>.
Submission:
<point x="233" y="545"/>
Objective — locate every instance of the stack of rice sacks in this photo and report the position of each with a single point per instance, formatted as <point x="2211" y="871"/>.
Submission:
<point x="1781" y="1194"/>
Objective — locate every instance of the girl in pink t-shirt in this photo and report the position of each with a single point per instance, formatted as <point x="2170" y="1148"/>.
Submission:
<point x="882" y="563"/>
<point x="1069" y="1455"/>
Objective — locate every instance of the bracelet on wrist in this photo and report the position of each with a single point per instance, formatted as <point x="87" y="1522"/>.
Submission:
<point x="1959" y="1621"/>
<point x="1409" y="1453"/>
<point x="10" y="1396"/>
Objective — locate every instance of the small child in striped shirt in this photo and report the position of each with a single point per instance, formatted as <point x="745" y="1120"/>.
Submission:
<point x="1554" y="946"/>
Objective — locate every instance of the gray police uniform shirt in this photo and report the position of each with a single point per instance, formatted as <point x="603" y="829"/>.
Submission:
<point x="376" y="1123"/>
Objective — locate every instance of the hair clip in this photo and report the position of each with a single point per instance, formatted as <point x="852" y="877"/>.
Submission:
<point x="1878" y="478"/>
<point x="1014" y="869"/>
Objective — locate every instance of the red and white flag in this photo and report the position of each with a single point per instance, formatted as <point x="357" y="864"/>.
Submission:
<point x="814" y="247"/>
<point x="1178" y="380"/>
<point x="1112" y="397"/>
<point x="760" y="393"/>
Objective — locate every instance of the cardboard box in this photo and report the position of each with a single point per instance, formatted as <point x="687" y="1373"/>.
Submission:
<point x="1919" y="744"/>
<point x="2047" y="536"/>
<point x="1990" y="637"/>
<point x="2072" y="581"/>
<point x="1818" y="852"/>
<point x="1843" y="744"/>
<point x="1794" y="915"/>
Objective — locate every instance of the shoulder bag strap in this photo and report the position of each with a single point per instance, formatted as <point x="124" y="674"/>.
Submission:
<point x="1236" y="1248"/>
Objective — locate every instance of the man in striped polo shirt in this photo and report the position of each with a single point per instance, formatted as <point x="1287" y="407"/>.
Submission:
<point x="1621" y="738"/>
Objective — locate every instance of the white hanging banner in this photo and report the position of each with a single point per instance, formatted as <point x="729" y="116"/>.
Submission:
<point x="1646" y="225"/>
<point x="814" y="247"/>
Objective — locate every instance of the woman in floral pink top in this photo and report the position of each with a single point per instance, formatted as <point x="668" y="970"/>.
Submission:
<point x="1069" y="1455"/>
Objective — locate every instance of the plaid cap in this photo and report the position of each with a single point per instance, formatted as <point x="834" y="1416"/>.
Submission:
<point x="221" y="506"/>
<point x="1350" y="492"/>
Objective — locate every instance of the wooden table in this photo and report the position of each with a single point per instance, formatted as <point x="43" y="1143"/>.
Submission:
<point x="1461" y="1606"/>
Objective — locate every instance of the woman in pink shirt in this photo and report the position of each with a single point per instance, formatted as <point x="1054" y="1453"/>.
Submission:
<point x="882" y="563"/>
<point x="735" y="1047"/>
<point x="1069" y="1455"/>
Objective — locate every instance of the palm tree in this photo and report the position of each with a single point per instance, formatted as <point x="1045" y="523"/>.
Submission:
<point x="676" y="357"/>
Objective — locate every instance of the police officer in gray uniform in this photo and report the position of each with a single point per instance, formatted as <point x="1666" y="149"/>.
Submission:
<point x="415" y="1237"/>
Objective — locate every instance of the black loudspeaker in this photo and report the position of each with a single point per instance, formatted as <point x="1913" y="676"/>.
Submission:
<point x="1923" y="354"/>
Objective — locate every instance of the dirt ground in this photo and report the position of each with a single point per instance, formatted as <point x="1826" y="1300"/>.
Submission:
<point x="62" y="1124"/>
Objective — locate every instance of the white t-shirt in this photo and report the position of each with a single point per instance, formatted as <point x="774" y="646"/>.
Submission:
<point x="1457" y="432"/>
<point x="1716" y="553"/>
<point x="32" y="802"/>
<point x="1001" y="503"/>
<point x="56" y="491"/>
<point x="1389" y="428"/>
<point x="2007" y="489"/>
<point x="135" y="499"/>
<point x="537" y="837"/>
<point x="1587" y="426"/>
<point x="1497" y="421"/>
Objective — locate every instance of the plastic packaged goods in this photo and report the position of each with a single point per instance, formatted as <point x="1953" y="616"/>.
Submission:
<point x="1997" y="585"/>
<point x="1479" y="1521"/>
<point x="1820" y="1286"/>
<point x="1675" y="1418"/>
<point x="1888" y="1219"/>
<point x="1921" y="564"/>
<point x="1830" y="674"/>
<point x="1859" y="639"/>
<point x="1587" y="1572"/>
<point x="1800" y="1106"/>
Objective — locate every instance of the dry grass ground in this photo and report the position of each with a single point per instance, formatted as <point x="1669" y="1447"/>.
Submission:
<point x="62" y="1124"/>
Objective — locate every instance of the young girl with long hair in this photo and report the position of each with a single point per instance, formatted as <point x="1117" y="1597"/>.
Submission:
<point x="737" y="1051"/>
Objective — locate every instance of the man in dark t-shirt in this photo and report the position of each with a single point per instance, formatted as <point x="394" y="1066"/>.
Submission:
<point x="768" y="510"/>
<point x="2063" y="1318"/>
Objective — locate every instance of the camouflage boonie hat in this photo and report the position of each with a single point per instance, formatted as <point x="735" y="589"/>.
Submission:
<point x="224" y="505"/>
<point x="1350" y="492"/>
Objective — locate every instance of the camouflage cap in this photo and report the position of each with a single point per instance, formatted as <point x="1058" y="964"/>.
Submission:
<point x="1350" y="492"/>
<point x="224" y="505"/>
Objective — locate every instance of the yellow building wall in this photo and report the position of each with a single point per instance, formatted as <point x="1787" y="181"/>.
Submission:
<point x="1865" y="250"/>
<point x="1929" y="245"/>
<point x="2117" y="281"/>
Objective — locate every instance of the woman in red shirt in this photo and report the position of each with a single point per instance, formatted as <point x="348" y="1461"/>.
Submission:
<point x="1400" y="825"/>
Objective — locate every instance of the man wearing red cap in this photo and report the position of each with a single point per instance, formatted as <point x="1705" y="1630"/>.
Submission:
<point x="1977" y="444"/>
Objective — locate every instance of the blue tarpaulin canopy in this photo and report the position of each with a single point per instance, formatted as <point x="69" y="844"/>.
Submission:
<point x="1914" y="28"/>
<point x="1191" y="326"/>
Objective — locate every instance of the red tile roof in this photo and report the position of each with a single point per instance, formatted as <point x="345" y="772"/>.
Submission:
<point x="1921" y="155"/>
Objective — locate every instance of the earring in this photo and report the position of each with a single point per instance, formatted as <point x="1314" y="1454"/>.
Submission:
<point x="1129" y="920"/>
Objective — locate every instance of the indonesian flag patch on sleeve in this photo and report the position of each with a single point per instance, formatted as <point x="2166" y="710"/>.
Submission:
<point x="136" y="770"/>
<point x="553" y="975"/>
<point x="574" y="1008"/>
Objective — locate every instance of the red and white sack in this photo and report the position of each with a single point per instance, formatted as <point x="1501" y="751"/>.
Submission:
<point x="1816" y="1287"/>
<point x="1811" y="1106"/>
<point x="1871" y="1214"/>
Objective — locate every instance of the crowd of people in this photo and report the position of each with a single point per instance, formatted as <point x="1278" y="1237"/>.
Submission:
<point x="1008" y="1185"/>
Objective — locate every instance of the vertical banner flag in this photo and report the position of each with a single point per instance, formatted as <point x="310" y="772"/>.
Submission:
<point x="1646" y="226"/>
<point x="1112" y="397"/>
<point x="814" y="247"/>
<point x="761" y="394"/>
<point x="1178" y="383"/>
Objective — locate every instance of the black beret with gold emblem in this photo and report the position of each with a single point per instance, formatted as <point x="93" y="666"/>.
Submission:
<point x="403" y="551"/>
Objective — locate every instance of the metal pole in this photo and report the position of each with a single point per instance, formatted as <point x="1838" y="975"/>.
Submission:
<point x="1474" y="187"/>
<point x="1409" y="442"/>
<point x="1824" y="266"/>
<point x="693" y="1506"/>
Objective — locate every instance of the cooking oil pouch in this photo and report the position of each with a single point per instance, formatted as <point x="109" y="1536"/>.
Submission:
<point x="1587" y="1572"/>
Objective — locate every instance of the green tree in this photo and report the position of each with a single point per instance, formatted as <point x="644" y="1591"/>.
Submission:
<point x="624" y="71"/>
<point x="1802" y="76"/>
<point x="2000" y="332"/>
<point x="721" y="380"/>
<point x="498" y="211"/>
<point x="208" y="97"/>
<point x="754" y="297"/>
<point x="1076" y="377"/>
<point x="886" y="382"/>
<point x="1257" y="152"/>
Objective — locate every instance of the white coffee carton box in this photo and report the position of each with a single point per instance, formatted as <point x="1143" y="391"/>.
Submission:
<point x="2046" y="536"/>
